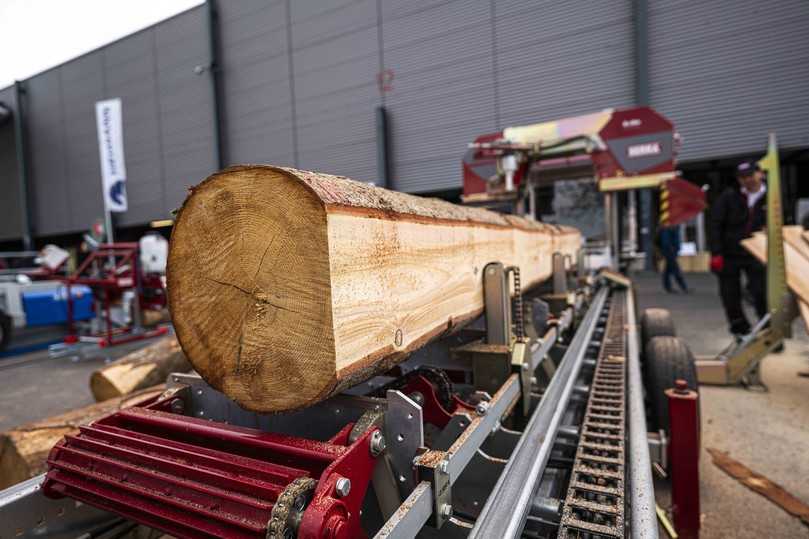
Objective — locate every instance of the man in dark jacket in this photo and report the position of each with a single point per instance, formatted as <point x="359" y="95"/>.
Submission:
<point x="736" y="214"/>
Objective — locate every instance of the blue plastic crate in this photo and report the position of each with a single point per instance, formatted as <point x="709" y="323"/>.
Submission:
<point x="49" y="307"/>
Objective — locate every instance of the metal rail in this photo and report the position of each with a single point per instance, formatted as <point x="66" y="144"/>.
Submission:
<point x="414" y="513"/>
<point x="643" y="515"/>
<point x="26" y="512"/>
<point x="462" y="450"/>
<point x="507" y="508"/>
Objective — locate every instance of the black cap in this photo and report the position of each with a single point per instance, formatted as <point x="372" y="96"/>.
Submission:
<point x="746" y="168"/>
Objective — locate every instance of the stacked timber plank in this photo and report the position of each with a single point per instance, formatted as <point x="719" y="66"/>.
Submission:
<point x="24" y="449"/>
<point x="796" y="257"/>
<point x="287" y="286"/>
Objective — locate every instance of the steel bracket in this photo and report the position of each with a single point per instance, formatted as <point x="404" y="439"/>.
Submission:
<point x="404" y="432"/>
<point x="521" y="364"/>
<point x="497" y="300"/>
<point x="491" y="363"/>
<point x="433" y="467"/>
<point x="559" y="273"/>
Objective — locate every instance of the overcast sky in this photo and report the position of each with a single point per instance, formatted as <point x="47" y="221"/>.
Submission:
<point x="38" y="34"/>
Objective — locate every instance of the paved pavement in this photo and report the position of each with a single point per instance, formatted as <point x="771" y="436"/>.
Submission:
<point x="768" y="432"/>
<point x="34" y="386"/>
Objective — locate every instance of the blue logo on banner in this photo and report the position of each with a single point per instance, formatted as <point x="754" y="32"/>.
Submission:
<point x="118" y="192"/>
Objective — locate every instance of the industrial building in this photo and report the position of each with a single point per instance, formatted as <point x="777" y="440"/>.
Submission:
<point x="391" y="92"/>
<point x="385" y="268"/>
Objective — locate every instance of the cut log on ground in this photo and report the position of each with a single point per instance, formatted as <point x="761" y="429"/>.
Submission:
<point x="24" y="450"/>
<point x="140" y="369"/>
<point x="287" y="286"/>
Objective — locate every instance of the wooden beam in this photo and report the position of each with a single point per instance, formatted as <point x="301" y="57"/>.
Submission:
<point x="797" y="238"/>
<point x="287" y="286"/>
<point x="797" y="265"/>
<point x="24" y="449"/>
<point x="141" y="369"/>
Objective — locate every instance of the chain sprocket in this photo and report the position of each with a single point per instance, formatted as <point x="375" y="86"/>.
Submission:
<point x="437" y="377"/>
<point x="289" y="507"/>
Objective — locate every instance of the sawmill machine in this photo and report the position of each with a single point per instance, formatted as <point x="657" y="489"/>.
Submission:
<point x="543" y="417"/>
<point x="529" y="422"/>
<point x="585" y="171"/>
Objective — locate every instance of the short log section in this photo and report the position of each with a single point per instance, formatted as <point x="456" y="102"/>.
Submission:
<point x="143" y="368"/>
<point x="287" y="286"/>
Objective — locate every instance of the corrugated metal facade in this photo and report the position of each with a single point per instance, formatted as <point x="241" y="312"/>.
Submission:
<point x="443" y="94"/>
<point x="300" y="81"/>
<point x="167" y="117"/>
<point x="185" y="101"/>
<point x="456" y="69"/>
<point x="558" y="59"/>
<point x="10" y="224"/>
<point x="727" y="73"/>
<point x="335" y="59"/>
<point x="255" y="71"/>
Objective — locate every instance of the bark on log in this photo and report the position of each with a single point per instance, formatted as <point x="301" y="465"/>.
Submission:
<point x="24" y="449"/>
<point x="140" y="369"/>
<point x="287" y="286"/>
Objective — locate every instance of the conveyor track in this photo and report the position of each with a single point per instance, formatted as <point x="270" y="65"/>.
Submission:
<point x="595" y="503"/>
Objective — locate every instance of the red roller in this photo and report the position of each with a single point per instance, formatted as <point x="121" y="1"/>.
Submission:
<point x="195" y="478"/>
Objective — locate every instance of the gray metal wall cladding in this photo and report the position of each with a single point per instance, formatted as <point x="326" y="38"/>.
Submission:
<point x="467" y="67"/>
<point x="726" y="73"/>
<point x="10" y="224"/>
<point x="167" y="119"/>
<point x="460" y="68"/>
<point x="255" y="73"/>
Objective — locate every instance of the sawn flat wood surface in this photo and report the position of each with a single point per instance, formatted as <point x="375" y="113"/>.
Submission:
<point x="796" y="257"/>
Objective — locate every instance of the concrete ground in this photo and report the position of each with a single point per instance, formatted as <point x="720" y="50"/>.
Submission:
<point x="768" y="432"/>
<point x="35" y="386"/>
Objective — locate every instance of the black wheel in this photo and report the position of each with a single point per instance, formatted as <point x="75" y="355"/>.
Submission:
<point x="667" y="359"/>
<point x="5" y="330"/>
<point x="655" y="323"/>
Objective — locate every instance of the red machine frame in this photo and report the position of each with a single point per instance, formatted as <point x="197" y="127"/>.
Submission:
<point x="627" y="149"/>
<point x="192" y="477"/>
<point x="112" y="268"/>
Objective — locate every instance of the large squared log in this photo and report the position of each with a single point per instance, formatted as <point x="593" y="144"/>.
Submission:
<point x="287" y="286"/>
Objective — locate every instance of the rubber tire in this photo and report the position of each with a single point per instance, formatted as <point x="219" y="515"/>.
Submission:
<point x="6" y="327"/>
<point x="656" y="323"/>
<point x="667" y="360"/>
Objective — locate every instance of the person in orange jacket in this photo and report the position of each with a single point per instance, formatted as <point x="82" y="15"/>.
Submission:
<point x="737" y="213"/>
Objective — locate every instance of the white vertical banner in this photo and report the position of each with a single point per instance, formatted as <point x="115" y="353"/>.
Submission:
<point x="111" y="153"/>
